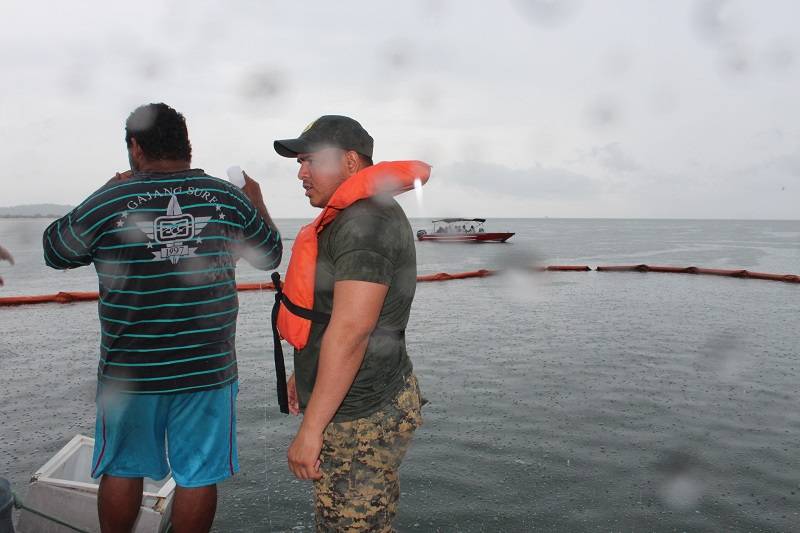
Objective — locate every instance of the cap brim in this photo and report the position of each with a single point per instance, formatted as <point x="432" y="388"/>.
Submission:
<point x="291" y="147"/>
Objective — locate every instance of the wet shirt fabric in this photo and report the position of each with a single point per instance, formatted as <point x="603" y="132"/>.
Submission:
<point x="371" y="241"/>
<point x="165" y="247"/>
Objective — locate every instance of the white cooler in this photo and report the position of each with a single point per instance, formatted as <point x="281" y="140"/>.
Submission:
<point x="64" y="488"/>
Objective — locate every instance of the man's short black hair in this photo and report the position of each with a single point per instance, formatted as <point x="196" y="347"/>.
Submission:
<point x="366" y="160"/>
<point x="160" y="131"/>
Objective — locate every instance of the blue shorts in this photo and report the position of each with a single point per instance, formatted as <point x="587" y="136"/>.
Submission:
<point x="134" y="433"/>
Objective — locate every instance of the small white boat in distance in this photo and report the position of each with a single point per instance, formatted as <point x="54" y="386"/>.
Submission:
<point x="461" y="230"/>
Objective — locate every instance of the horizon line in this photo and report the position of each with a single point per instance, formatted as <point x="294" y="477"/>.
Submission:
<point x="55" y="216"/>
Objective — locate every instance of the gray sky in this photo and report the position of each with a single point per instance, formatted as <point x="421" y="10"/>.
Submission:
<point x="593" y="108"/>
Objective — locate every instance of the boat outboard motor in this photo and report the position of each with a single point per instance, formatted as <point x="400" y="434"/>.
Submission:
<point x="6" y="506"/>
<point x="421" y="233"/>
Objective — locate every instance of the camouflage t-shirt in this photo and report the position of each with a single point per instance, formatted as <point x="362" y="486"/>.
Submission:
<point x="372" y="241"/>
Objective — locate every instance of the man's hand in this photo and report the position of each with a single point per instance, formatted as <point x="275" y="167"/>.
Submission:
<point x="252" y="190"/>
<point x="304" y="453"/>
<point x="120" y="177"/>
<point x="5" y="255"/>
<point x="294" y="403"/>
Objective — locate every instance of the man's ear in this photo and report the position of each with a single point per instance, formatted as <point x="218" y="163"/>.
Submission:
<point x="351" y="162"/>
<point x="135" y="153"/>
<point x="135" y="148"/>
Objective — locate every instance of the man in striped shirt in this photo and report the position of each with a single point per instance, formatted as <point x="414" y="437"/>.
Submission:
<point x="164" y="239"/>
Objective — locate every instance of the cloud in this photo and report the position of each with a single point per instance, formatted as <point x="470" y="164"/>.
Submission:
<point x="546" y="13"/>
<point x="612" y="157"/>
<point x="766" y="189"/>
<point x="472" y="188"/>
<point x="778" y="174"/>
<point x="536" y="182"/>
<point x="497" y="98"/>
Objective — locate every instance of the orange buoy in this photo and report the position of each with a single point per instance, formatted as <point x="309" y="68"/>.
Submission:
<point x="444" y="276"/>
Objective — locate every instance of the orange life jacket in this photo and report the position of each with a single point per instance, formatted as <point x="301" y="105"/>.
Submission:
<point x="293" y="312"/>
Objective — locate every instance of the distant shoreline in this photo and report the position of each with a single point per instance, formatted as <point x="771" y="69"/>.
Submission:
<point x="35" y="211"/>
<point x="31" y="216"/>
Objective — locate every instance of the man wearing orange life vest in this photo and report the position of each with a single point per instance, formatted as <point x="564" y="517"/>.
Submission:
<point x="356" y="267"/>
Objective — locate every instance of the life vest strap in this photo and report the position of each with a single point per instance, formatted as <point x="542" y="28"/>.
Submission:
<point x="309" y="314"/>
<point x="280" y="367"/>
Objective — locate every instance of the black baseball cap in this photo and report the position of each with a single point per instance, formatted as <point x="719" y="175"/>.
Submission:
<point x="328" y="130"/>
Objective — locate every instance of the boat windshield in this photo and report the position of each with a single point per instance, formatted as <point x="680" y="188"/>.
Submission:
<point x="461" y="225"/>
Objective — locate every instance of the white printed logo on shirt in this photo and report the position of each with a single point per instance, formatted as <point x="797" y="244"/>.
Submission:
<point x="172" y="231"/>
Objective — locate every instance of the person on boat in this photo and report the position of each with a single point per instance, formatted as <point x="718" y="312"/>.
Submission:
<point x="5" y="255"/>
<point x="165" y="239"/>
<point x="353" y="380"/>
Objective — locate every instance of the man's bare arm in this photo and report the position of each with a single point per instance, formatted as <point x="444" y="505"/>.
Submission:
<point x="356" y="309"/>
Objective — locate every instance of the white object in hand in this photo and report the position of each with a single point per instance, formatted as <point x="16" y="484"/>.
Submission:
<point x="236" y="176"/>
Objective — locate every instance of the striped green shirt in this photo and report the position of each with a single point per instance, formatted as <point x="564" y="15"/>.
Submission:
<point x="165" y="247"/>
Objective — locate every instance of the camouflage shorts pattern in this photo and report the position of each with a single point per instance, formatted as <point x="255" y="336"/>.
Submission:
<point x="360" y="487"/>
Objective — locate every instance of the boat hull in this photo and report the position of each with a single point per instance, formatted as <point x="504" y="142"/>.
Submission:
<point x="465" y="237"/>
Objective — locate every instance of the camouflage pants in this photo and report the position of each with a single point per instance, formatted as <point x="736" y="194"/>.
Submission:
<point x="360" y="487"/>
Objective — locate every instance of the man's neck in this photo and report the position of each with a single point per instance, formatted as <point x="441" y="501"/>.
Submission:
<point x="164" y="165"/>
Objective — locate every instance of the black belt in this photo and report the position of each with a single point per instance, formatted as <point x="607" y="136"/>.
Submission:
<point x="317" y="317"/>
